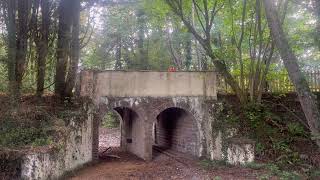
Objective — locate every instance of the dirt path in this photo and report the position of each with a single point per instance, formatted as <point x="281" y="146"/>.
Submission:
<point x="163" y="167"/>
<point x="109" y="137"/>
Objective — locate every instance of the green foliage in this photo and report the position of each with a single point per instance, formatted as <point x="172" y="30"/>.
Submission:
<point x="256" y="166"/>
<point x="209" y="164"/>
<point x="296" y="129"/>
<point x="111" y="120"/>
<point x="22" y="136"/>
<point x="314" y="174"/>
<point x="217" y="178"/>
<point x="259" y="148"/>
<point x="275" y="171"/>
<point x="274" y="135"/>
<point x="43" y="141"/>
<point x="283" y="175"/>
<point x="33" y="127"/>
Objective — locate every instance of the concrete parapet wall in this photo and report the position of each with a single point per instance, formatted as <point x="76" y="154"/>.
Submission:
<point x="148" y="84"/>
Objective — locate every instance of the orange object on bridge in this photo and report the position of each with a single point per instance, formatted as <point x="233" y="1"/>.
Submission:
<point x="172" y="69"/>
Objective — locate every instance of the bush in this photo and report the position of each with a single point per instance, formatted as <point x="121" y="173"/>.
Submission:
<point x="19" y="130"/>
<point x="111" y="120"/>
<point x="22" y="136"/>
<point x="274" y="135"/>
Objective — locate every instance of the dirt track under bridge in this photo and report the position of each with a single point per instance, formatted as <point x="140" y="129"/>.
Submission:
<point x="163" y="167"/>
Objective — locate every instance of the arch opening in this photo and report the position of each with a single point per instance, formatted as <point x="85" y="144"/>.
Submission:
<point x="110" y="131"/>
<point x="175" y="129"/>
<point x="128" y="125"/>
<point x="129" y="132"/>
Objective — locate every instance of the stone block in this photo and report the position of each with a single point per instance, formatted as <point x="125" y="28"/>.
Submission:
<point x="240" y="151"/>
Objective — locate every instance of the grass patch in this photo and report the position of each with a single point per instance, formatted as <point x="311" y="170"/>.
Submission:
<point x="209" y="164"/>
<point x="255" y="166"/>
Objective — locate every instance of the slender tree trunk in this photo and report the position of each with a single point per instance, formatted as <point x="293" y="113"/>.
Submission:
<point x="42" y="46"/>
<point x="188" y="49"/>
<point x="141" y="36"/>
<point x="118" y="65"/>
<point x="307" y="99"/>
<point x="24" y="8"/>
<point x="11" y="27"/>
<point x="75" y="49"/>
<point x="316" y="5"/>
<point x="63" y="45"/>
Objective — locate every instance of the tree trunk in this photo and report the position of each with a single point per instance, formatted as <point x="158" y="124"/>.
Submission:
<point x="75" y="49"/>
<point x="188" y="49"/>
<point x="42" y="46"/>
<point x="316" y="5"/>
<point x="307" y="99"/>
<point x="141" y="33"/>
<point x="63" y="45"/>
<point x="118" y="65"/>
<point x="24" y="8"/>
<point x="11" y="28"/>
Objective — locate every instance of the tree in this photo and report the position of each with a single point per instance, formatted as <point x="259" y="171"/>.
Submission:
<point x="63" y="44"/>
<point x="17" y="19"/>
<point x="143" y="53"/>
<point x="41" y="38"/>
<point x="75" y="50"/>
<point x="307" y="99"/>
<point x="11" y="28"/>
<point x="206" y="12"/>
<point x="68" y="47"/>
<point x="316" y="6"/>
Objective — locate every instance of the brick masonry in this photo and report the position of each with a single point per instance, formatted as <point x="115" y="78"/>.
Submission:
<point x="190" y="117"/>
<point x="176" y="129"/>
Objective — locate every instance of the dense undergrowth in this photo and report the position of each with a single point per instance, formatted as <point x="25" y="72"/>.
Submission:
<point x="35" y="122"/>
<point x="283" y="141"/>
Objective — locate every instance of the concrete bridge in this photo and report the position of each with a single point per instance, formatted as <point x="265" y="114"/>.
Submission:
<point x="173" y="110"/>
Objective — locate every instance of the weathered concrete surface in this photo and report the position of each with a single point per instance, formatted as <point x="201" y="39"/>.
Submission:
<point x="141" y="97"/>
<point x="240" y="151"/>
<point x="148" y="110"/>
<point x="148" y="84"/>
<point x="75" y="151"/>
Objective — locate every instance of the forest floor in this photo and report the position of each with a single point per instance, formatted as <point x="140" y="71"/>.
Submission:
<point x="163" y="167"/>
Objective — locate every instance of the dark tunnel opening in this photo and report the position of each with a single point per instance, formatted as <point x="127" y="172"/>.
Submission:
<point x="175" y="130"/>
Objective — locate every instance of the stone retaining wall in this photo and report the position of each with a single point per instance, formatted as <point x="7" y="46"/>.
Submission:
<point x="74" y="151"/>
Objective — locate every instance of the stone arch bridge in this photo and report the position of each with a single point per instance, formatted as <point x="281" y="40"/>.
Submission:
<point x="172" y="110"/>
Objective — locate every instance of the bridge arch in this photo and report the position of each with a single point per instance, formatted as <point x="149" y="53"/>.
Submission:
<point x="176" y="129"/>
<point x="191" y="112"/>
<point x="131" y="126"/>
